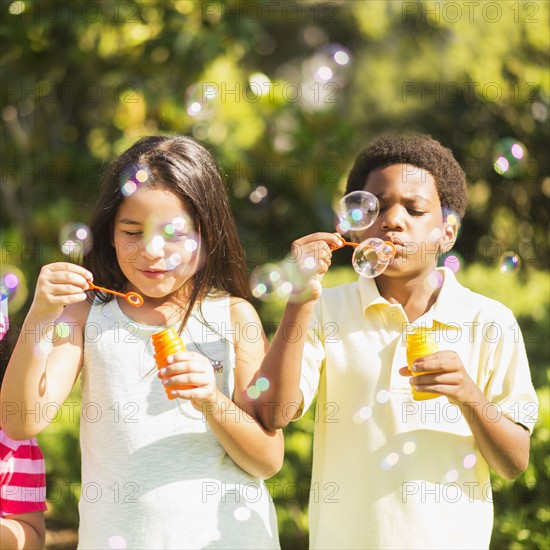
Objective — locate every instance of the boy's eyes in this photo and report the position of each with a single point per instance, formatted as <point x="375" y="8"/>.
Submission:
<point x="411" y="211"/>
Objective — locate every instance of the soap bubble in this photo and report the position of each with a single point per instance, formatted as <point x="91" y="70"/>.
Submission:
<point x="62" y="330"/>
<point x="262" y="383"/>
<point x="4" y="318"/>
<point x="330" y="63"/>
<point x="299" y="273"/>
<point x="509" y="157"/>
<point x="435" y="234"/>
<point x="452" y="260"/>
<point x="200" y="100"/>
<point x="433" y="281"/>
<point x="253" y="392"/>
<point x="382" y="396"/>
<point x="372" y="256"/>
<point x="131" y="177"/>
<point x="356" y="211"/>
<point x="181" y="240"/>
<point x="392" y="459"/>
<point x="451" y="476"/>
<point x="509" y="262"/>
<point x="269" y="282"/>
<point x="389" y="461"/>
<point x="75" y="240"/>
<point x="453" y="219"/>
<point x="173" y="261"/>
<point x="155" y="246"/>
<point x="117" y="542"/>
<point x="10" y="281"/>
<point x="363" y="414"/>
<point x="290" y="279"/>
<point x="13" y="287"/>
<point x="323" y="75"/>
<point x="176" y="240"/>
<point x="469" y="461"/>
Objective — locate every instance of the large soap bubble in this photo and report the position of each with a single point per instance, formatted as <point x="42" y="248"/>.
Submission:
<point x="357" y="211"/>
<point x="372" y="256"/>
<point x="75" y="240"/>
<point x="509" y="157"/>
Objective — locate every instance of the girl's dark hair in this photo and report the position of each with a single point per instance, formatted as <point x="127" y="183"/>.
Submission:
<point x="421" y="151"/>
<point x="184" y="167"/>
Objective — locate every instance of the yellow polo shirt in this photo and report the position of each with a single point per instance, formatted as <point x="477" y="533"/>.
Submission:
<point x="388" y="471"/>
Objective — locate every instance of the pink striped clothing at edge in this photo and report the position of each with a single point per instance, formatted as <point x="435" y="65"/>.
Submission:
<point x="22" y="476"/>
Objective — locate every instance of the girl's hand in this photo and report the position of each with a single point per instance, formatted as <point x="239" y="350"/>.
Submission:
<point x="317" y="248"/>
<point x="187" y="368"/>
<point x="443" y="373"/>
<point x="59" y="284"/>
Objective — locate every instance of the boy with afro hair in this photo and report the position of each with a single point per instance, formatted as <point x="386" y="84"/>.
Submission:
<point x="390" y="471"/>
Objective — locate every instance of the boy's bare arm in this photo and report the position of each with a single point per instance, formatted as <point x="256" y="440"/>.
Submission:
<point x="282" y="364"/>
<point x="503" y="443"/>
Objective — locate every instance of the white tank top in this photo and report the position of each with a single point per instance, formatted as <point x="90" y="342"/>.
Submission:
<point x="153" y="473"/>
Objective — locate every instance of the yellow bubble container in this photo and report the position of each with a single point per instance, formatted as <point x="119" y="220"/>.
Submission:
<point x="420" y="342"/>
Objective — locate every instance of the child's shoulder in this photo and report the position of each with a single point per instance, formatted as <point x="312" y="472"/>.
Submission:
<point x="341" y="289"/>
<point x="341" y="296"/>
<point x="242" y="310"/>
<point x="483" y="302"/>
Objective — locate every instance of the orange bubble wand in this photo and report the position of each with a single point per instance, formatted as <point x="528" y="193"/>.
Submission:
<point x="133" y="298"/>
<point x="348" y="243"/>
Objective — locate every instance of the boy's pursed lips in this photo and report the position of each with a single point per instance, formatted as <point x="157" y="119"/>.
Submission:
<point x="394" y="240"/>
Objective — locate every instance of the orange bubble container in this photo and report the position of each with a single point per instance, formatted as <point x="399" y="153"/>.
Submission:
<point x="165" y="343"/>
<point x="420" y="342"/>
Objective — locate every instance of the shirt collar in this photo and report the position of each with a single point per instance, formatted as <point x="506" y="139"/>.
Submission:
<point x="451" y="307"/>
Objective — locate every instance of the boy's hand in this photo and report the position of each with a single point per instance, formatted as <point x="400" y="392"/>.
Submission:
<point x="442" y="373"/>
<point x="317" y="248"/>
<point x="187" y="368"/>
<point x="59" y="284"/>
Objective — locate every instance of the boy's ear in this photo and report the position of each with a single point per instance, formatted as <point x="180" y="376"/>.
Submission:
<point x="449" y="235"/>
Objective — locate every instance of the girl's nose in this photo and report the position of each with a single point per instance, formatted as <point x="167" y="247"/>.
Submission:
<point x="154" y="248"/>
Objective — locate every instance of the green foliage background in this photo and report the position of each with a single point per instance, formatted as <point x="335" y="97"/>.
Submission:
<point x="82" y="80"/>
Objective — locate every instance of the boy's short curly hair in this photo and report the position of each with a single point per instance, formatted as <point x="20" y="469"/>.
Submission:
<point x="421" y="151"/>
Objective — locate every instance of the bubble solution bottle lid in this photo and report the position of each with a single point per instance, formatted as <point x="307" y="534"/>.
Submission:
<point x="165" y="343"/>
